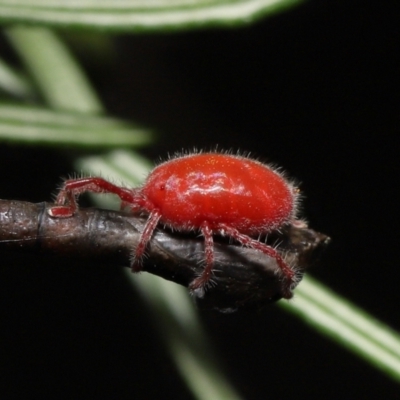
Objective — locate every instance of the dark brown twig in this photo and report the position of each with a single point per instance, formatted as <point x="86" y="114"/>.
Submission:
<point x="243" y="277"/>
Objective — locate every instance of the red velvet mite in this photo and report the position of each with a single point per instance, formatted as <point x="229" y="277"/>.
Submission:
<point x="214" y="193"/>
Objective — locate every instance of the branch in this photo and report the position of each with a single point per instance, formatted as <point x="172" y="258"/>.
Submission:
<point x="244" y="278"/>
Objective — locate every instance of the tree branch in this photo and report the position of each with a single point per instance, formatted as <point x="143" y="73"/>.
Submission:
<point x="244" y="278"/>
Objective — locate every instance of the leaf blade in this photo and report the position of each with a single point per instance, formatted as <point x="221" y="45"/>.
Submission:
<point x="137" y="15"/>
<point x="43" y="126"/>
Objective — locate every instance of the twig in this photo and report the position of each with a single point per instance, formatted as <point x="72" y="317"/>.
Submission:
<point x="243" y="277"/>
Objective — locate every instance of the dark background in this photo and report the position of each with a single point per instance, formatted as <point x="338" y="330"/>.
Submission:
<point x="315" y="90"/>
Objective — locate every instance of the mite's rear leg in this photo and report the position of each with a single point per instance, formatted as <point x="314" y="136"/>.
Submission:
<point x="288" y="273"/>
<point x="66" y="198"/>
<point x="201" y="281"/>
<point x="145" y="237"/>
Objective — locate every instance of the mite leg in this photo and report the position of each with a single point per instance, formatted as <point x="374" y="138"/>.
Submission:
<point x="201" y="281"/>
<point x="288" y="273"/>
<point x="66" y="198"/>
<point x="145" y="237"/>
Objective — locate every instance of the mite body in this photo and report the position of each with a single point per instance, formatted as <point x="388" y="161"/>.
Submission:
<point x="214" y="193"/>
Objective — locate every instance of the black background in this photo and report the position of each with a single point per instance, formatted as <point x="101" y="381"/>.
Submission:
<point x="314" y="90"/>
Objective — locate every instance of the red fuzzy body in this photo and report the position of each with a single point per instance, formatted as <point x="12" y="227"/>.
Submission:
<point x="214" y="193"/>
<point x="219" y="188"/>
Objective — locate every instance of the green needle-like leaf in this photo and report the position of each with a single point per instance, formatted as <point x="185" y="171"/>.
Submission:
<point x="43" y="126"/>
<point x="13" y="83"/>
<point x="348" y="325"/>
<point x="50" y="64"/>
<point x="139" y="15"/>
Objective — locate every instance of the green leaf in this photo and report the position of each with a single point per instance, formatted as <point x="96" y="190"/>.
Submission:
<point x="14" y="83"/>
<point x="139" y="15"/>
<point x="59" y="77"/>
<point x="39" y="125"/>
<point x="347" y="324"/>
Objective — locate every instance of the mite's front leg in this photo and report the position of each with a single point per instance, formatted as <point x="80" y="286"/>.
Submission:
<point x="66" y="204"/>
